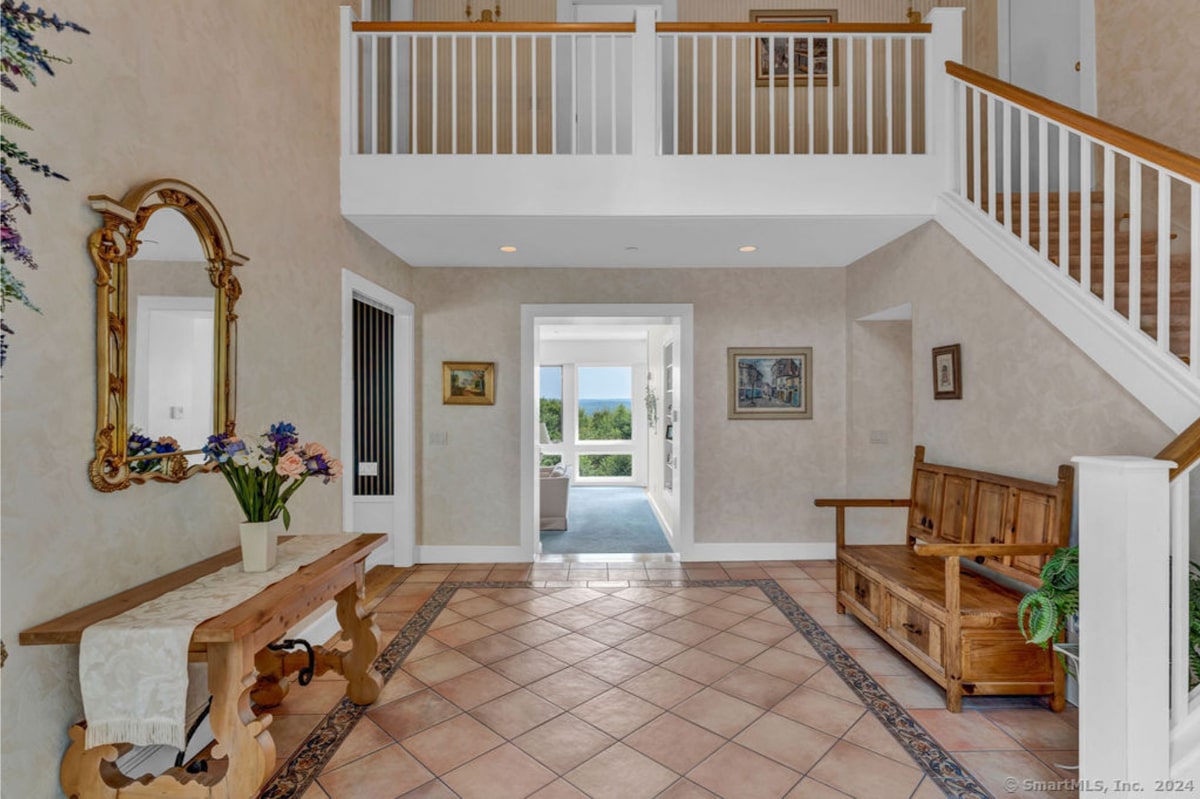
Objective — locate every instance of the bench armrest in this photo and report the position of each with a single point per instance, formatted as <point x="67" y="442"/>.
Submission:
<point x="983" y="550"/>
<point x="862" y="503"/>
<point x="842" y="504"/>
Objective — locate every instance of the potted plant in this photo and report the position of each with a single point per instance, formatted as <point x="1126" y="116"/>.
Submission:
<point x="1193" y="625"/>
<point x="264" y="472"/>
<point x="1043" y="614"/>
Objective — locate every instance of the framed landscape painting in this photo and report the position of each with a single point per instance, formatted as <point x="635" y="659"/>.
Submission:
<point x="770" y="383"/>
<point x="468" y="383"/>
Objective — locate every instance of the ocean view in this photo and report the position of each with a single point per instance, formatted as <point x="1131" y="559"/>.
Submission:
<point x="590" y="406"/>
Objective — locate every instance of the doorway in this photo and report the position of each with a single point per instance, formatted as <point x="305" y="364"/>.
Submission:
<point x="599" y="349"/>
<point x="378" y="417"/>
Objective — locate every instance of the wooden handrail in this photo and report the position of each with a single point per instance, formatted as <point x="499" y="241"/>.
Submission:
<point x="493" y="27"/>
<point x="794" y="27"/>
<point x="1179" y="162"/>
<point x="1184" y="450"/>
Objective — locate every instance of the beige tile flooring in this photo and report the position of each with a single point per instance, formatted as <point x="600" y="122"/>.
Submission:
<point x="588" y="684"/>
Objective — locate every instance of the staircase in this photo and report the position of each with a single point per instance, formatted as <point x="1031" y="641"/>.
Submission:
<point x="1179" y="270"/>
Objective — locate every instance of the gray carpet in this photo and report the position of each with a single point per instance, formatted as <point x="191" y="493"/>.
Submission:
<point x="607" y="519"/>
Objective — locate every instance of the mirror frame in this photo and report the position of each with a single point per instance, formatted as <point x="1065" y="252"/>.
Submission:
<point x="111" y="246"/>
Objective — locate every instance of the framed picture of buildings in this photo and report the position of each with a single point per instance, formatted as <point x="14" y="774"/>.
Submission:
<point x="468" y="383"/>
<point x="774" y="50"/>
<point x="770" y="383"/>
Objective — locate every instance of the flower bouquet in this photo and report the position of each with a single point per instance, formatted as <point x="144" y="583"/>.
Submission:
<point x="264" y="472"/>
<point x="140" y="446"/>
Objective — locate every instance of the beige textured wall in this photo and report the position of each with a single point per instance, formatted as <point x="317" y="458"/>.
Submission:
<point x="1031" y="399"/>
<point x="880" y="393"/>
<point x="755" y="480"/>
<point x="1148" y="54"/>
<point x="240" y="98"/>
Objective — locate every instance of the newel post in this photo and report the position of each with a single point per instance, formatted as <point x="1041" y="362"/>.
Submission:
<point x="1124" y="622"/>
<point x="645" y="84"/>
<point x="946" y="45"/>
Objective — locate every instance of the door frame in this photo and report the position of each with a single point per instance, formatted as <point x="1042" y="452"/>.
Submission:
<point x="533" y="316"/>
<point x="403" y="497"/>
<point x="1088" y="102"/>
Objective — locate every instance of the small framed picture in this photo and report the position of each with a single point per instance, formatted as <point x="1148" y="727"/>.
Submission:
<point x="468" y="383"/>
<point x="774" y="62"/>
<point x="947" y="372"/>
<point x="770" y="383"/>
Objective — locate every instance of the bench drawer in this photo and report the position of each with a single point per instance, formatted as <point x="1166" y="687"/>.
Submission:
<point x="914" y="630"/>
<point x="861" y="591"/>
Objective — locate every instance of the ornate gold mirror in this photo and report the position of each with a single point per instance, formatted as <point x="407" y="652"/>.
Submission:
<point x="166" y="333"/>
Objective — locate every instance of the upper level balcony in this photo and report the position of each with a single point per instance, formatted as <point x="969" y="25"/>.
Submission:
<point x="644" y="143"/>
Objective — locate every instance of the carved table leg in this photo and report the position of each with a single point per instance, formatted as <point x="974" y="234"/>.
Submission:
<point x="240" y="737"/>
<point x="363" y="681"/>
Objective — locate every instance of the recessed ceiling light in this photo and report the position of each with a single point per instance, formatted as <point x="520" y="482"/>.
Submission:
<point x="508" y="248"/>
<point x="747" y="248"/>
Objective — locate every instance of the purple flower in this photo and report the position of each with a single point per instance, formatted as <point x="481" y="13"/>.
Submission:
<point x="282" y="436"/>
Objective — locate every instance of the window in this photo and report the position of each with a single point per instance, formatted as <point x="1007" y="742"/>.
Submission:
<point x="606" y="466"/>
<point x="605" y="405"/>
<point x="550" y="409"/>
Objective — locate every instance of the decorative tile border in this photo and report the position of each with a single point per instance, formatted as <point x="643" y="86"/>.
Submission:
<point x="302" y="769"/>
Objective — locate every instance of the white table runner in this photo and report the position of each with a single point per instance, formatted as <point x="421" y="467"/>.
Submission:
<point x="133" y="667"/>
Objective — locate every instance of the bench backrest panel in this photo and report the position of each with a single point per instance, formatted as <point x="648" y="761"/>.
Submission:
<point x="964" y="506"/>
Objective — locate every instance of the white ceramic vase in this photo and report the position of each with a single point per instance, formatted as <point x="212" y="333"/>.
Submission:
<point x="258" y="545"/>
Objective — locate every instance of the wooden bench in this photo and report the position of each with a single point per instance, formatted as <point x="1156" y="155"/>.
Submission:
<point x="955" y="624"/>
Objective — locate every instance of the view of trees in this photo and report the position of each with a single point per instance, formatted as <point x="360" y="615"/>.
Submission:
<point x="607" y="424"/>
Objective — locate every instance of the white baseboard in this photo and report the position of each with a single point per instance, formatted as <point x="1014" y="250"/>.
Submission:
<point x="471" y="554"/>
<point x="1158" y="380"/>
<point x="784" y="550"/>
<point x="662" y="521"/>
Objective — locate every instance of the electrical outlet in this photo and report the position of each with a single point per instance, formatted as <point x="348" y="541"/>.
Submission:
<point x="368" y="469"/>
<point x="176" y="411"/>
<point x="438" y="438"/>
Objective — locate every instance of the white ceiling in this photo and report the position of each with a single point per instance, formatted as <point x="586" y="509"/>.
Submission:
<point x="547" y="241"/>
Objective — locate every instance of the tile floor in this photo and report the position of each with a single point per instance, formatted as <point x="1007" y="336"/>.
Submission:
<point x="588" y="684"/>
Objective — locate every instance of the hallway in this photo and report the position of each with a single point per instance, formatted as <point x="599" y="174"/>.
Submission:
<point x="648" y="678"/>
<point x="607" y="520"/>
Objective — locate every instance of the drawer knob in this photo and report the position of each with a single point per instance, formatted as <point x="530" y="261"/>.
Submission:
<point x="912" y="628"/>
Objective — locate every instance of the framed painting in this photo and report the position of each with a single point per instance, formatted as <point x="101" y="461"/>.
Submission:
<point x="947" y="372"/>
<point x="774" y="50"/>
<point x="468" y="383"/>
<point x="770" y="383"/>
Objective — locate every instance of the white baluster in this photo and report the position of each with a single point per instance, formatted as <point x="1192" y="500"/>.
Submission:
<point x="1024" y="117"/>
<point x="474" y="40"/>
<point x="433" y="143"/>
<point x="733" y="117"/>
<point x="1135" y="243"/>
<point x="1043" y="188"/>
<point x="991" y="155"/>
<point x="887" y="82"/>
<point x="453" y="94"/>
<point x="1064" y="198"/>
<point x="1009" y="177"/>
<point x="414" y="93"/>
<point x="495" y="109"/>
<point x="1164" y="261"/>
<point x="554" y="39"/>
<point x="394" y="87"/>
<point x="712" y="40"/>
<point x="754" y="99"/>
<point x="870" y="81"/>
<point x="829" y="73"/>
<point x="1110" y="226"/>
<point x="1194" y="284"/>
<point x="533" y="96"/>
<point x="771" y="96"/>
<point x="976" y="148"/>
<point x="812" y="119"/>
<point x="1085" y="215"/>
<point x="375" y="89"/>
<point x="849" y="93"/>
<point x="574" y="102"/>
<point x="612" y="82"/>
<point x="909" y="76"/>
<point x="961" y="92"/>
<point x="512" y="89"/>
<point x="792" y="95"/>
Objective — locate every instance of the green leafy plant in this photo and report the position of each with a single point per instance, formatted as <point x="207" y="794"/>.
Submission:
<point x="1193" y="624"/>
<point x="20" y="56"/>
<point x="1042" y="615"/>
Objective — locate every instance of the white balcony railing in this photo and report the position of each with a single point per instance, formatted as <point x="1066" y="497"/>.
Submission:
<point x="793" y="89"/>
<point x="436" y="88"/>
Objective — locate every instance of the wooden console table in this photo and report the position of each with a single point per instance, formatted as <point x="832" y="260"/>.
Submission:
<point x="244" y="753"/>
